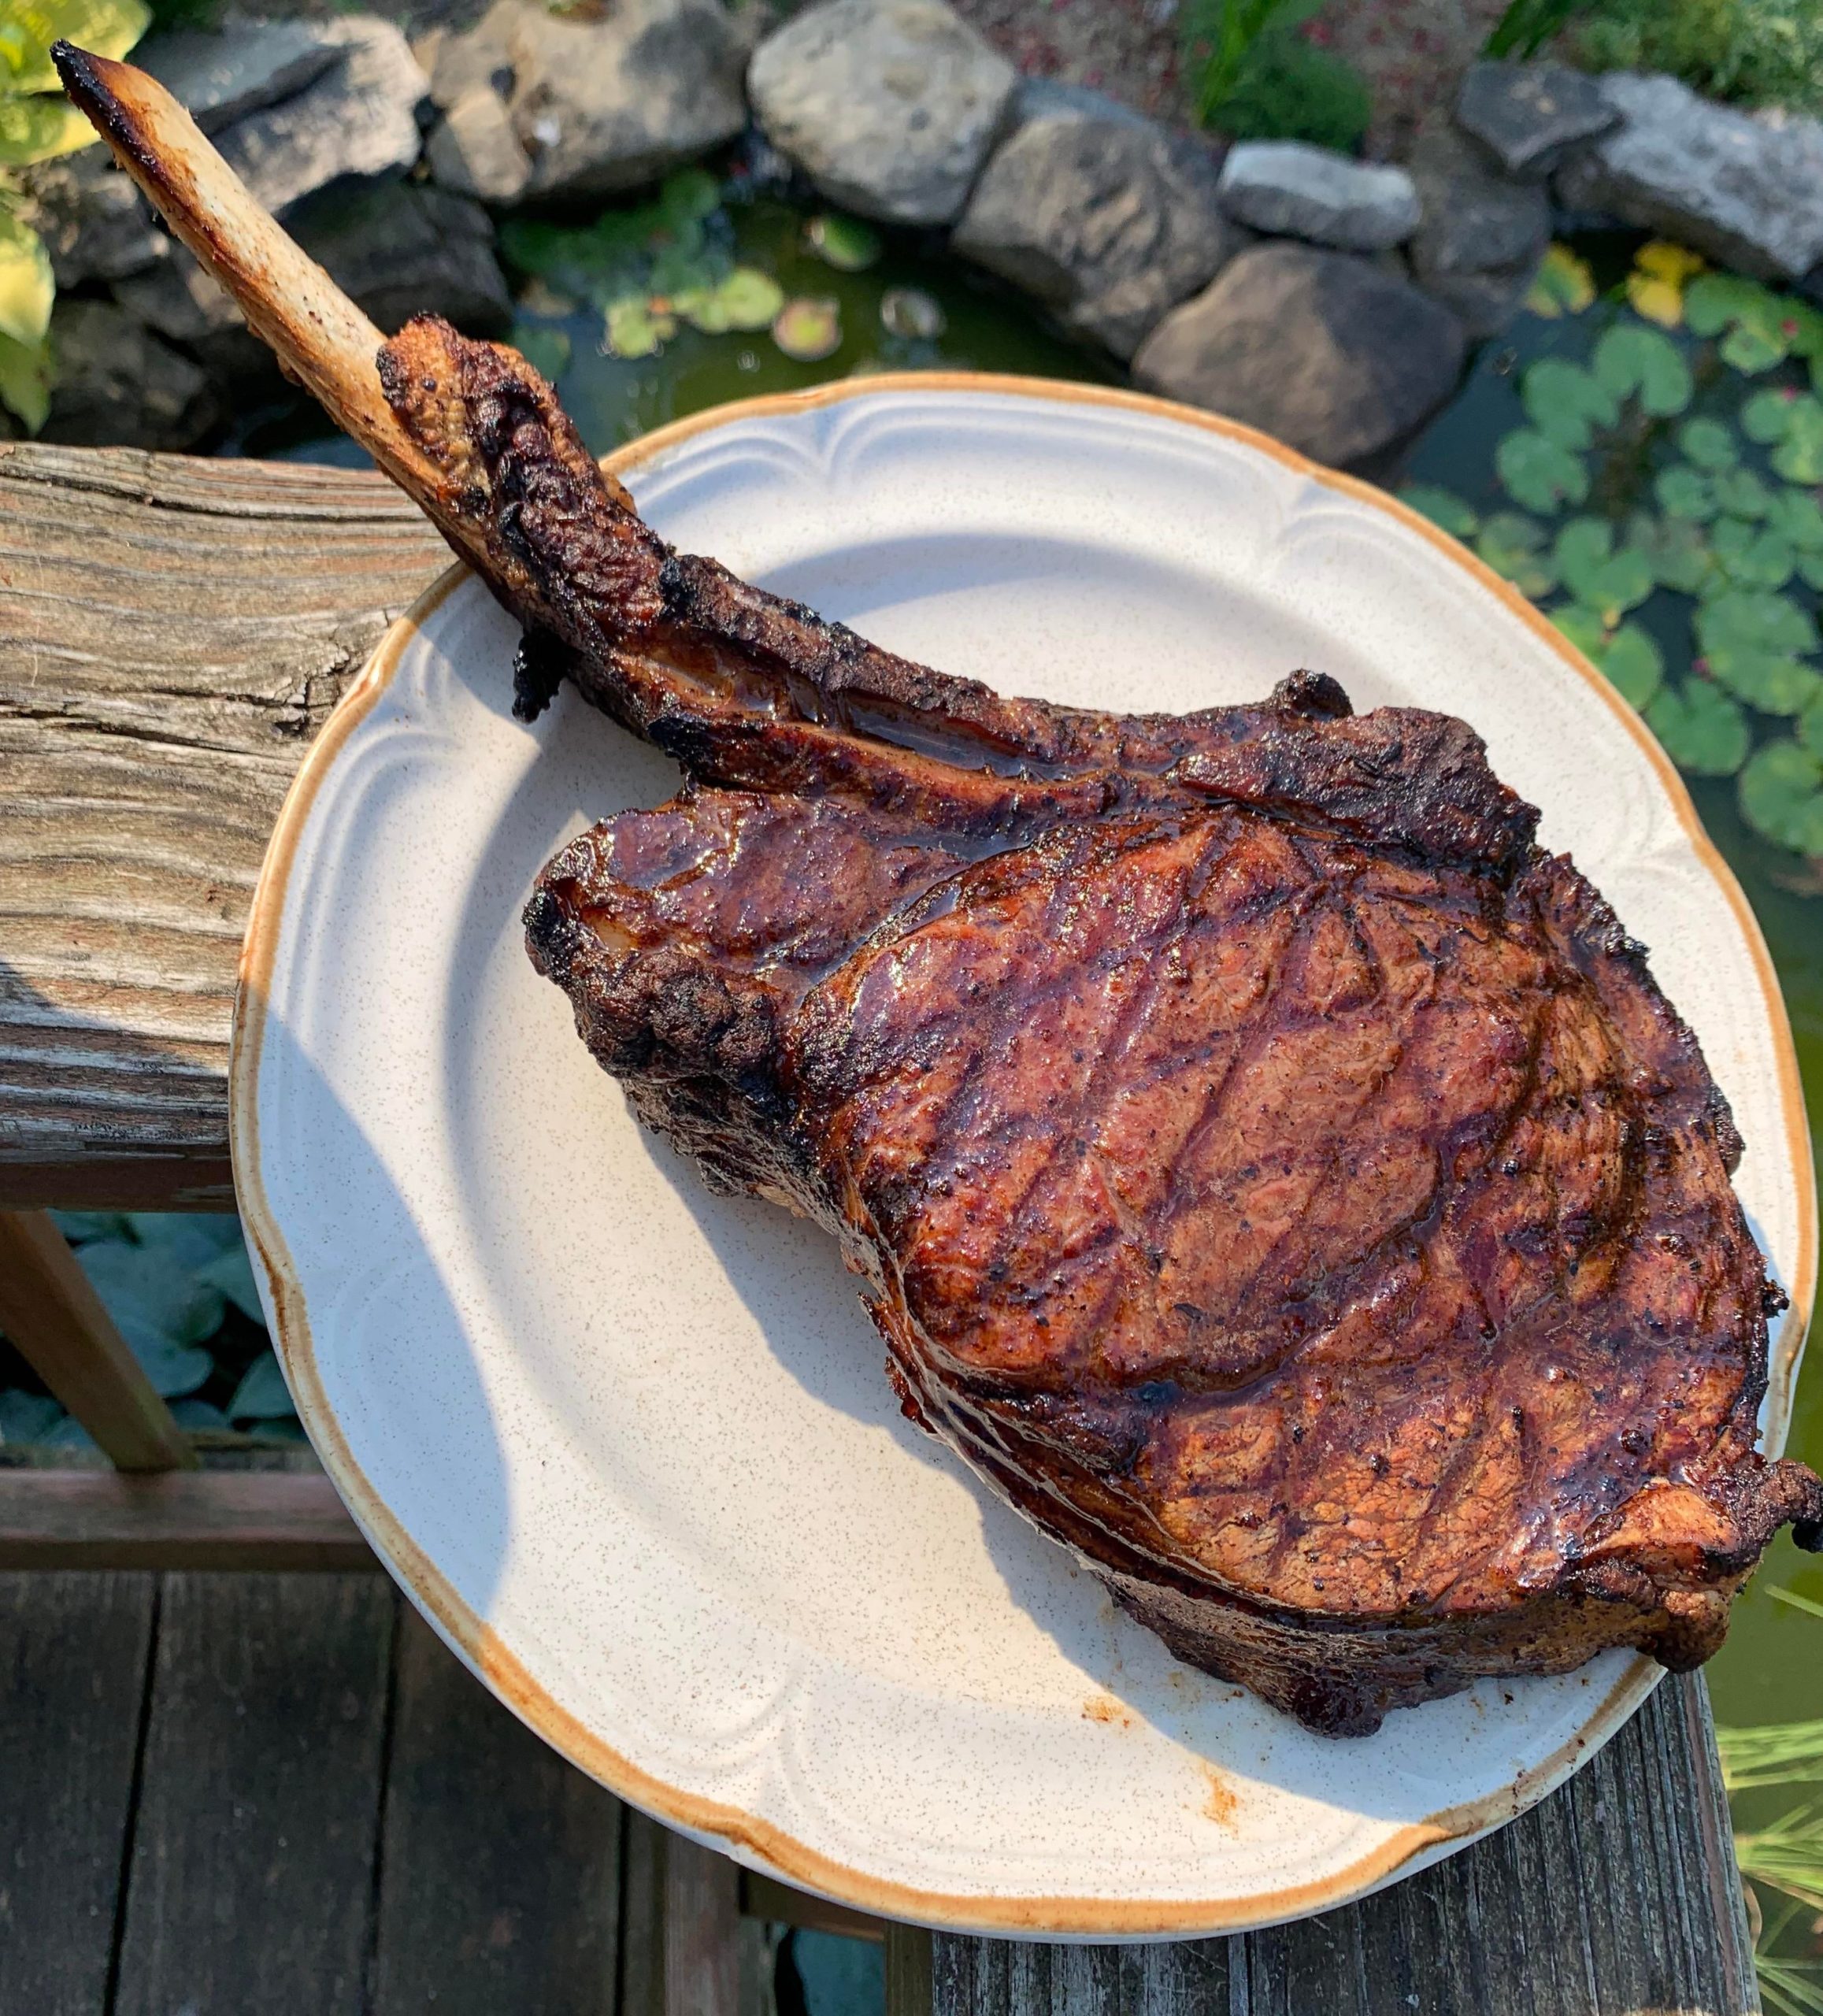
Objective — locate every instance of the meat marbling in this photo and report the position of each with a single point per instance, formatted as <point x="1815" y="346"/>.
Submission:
<point x="1278" y="1177"/>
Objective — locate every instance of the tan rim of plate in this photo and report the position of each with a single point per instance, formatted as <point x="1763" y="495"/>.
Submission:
<point x="1079" y="1917"/>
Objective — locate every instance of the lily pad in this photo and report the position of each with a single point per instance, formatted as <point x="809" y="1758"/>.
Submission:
<point x="1810" y="570"/>
<point x="912" y="315"/>
<point x="1740" y="494"/>
<point x="1538" y="472"/>
<point x="844" y="243"/>
<point x="1630" y="361"/>
<point x="809" y="330"/>
<point x="1678" y="551"/>
<point x="1514" y="546"/>
<point x="635" y="328"/>
<point x="1751" y="557"/>
<point x="1781" y="795"/>
<point x="1596" y="574"/>
<point x="1703" y="731"/>
<point x="1753" y="643"/>
<point x="1810" y="729"/>
<point x="1628" y="658"/>
<point x="1798" y="456"/>
<point x="547" y="350"/>
<point x="746" y="299"/>
<point x="263" y="1394"/>
<point x="1762" y="329"/>
<point x="1564" y="284"/>
<point x="1796" y="517"/>
<point x="1767" y="414"/>
<point x="1709" y="443"/>
<point x="1655" y="286"/>
<point x="1685" y="493"/>
<point x="1443" y="507"/>
<point x="1566" y="403"/>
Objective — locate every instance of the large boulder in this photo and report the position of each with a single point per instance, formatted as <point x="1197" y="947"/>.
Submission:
<point x="889" y="106"/>
<point x="1330" y="353"/>
<point x="1483" y="235"/>
<point x="1531" y="117"/>
<point x="404" y="249"/>
<point x="358" y="122"/>
<point x="118" y="385"/>
<point x="94" y="224"/>
<point x="1746" y="188"/>
<point x="1109" y="224"/>
<point x="474" y="150"/>
<point x="177" y="299"/>
<point x="601" y="102"/>
<point x="1292" y="190"/>
<point x="222" y="76"/>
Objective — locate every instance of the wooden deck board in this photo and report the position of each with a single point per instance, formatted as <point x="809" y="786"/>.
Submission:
<point x="500" y="1864"/>
<point x="250" y="1883"/>
<point x="73" y="1657"/>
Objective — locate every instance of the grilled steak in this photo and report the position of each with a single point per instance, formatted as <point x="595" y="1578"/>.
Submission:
<point x="1283" y="1180"/>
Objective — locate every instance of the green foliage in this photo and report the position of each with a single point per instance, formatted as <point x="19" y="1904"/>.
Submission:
<point x="1540" y="473"/>
<point x="1442" y="507"/>
<point x="1528" y="25"/>
<point x="844" y="243"/>
<point x="1753" y="52"/>
<point x="1781" y="796"/>
<point x="1566" y="404"/>
<point x="1256" y="77"/>
<point x="1603" y="577"/>
<point x="1514" y="546"/>
<point x="1565" y="284"/>
<point x="1703" y="731"/>
<point x="1633" y="361"/>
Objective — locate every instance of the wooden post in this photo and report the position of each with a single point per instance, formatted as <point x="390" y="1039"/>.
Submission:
<point x="702" y="1931"/>
<point x="50" y="1311"/>
<point x="908" y="1970"/>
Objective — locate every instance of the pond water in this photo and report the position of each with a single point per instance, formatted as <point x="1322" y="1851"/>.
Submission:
<point x="1696" y="587"/>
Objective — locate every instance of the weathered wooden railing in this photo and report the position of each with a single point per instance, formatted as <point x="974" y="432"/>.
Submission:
<point x="171" y="634"/>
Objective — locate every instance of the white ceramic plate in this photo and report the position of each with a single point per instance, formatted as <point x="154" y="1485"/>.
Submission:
<point x="630" y="1445"/>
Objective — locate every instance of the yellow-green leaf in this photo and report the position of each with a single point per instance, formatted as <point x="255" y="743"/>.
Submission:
<point x="28" y="28"/>
<point x="26" y="378"/>
<point x="39" y="129"/>
<point x="1564" y="285"/>
<point x="27" y="288"/>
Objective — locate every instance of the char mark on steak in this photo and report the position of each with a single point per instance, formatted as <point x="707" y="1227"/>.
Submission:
<point x="1279" y="1178"/>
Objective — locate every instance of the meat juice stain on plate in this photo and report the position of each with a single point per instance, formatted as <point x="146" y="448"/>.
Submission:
<point x="1221" y="1804"/>
<point x="1105" y="1708"/>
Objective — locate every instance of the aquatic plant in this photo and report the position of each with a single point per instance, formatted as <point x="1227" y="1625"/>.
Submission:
<point x="1667" y="485"/>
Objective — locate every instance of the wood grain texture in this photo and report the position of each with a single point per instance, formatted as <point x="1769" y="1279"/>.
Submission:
<point x="50" y="1310"/>
<point x="172" y="633"/>
<point x="702" y="1921"/>
<point x="224" y="1519"/>
<point x="500" y="1862"/>
<point x="73" y="1655"/>
<point x="1616" y="1896"/>
<point x="251" y="1879"/>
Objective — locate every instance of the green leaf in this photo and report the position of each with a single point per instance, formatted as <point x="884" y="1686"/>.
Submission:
<point x="1633" y="662"/>
<point x="1583" y="626"/>
<point x="808" y="329"/>
<point x="28" y="372"/>
<point x="1703" y="731"/>
<point x="1685" y="493"/>
<point x="40" y="129"/>
<point x="1765" y="416"/>
<point x="77" y="1226"/>
<point x="1752" y="642"/>
<point x="27" y="287"/>
<point x="105" y="28"/>
<point x="1750" y="350"/>
<point x="1796" y="515"/>
<point x="547" y="350"/>
<point x="1442" y="507"/>
<point x="1679" y="554"/>
<point x="1741" y="494"/>
<point x="26" y="1418"/>
<point x="1514" y="546"/>
<point x="1810" y="570"/>
<point x="1781" y="796"/>
<point x="1798" y="456"/>
<point x="746" y="299"/>
<point x="635" y="328"/>
<point x="161" y="1308"/>
<point x="1631" y="359"/>
<point x="1811" y="727"/>
<point x="231" y="1271"/>
<point x="689" y="195"/>
<point x="1761" y="327"/>
<point x="192" y="1239"/>
<point x="1708" y="444"/>
<point x="1751" y="557"/>
<point x="1538" y="472"/>
<point x="263" y="1394"/>
<point x="1564" y="285"/>
<point x="1595" y="574"/>
<point x="1566" y="403"/>
<point x="844" y="243"/>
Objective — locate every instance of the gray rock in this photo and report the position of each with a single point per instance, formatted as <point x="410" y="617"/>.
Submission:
<point x="247" y="66"/>
<point x="602" y="103"/>
<point x="118" y="384"/>
<point x="1293" y="190"/>
<point x="94" y="224"/>
<point x="177" y="299"/>
<point x="406" y="248"/>
<point x="474" y="150"/>
<point x="889" y="106"/>
<point x="1530" y="116"/>
<point x="1329" y="352"/>
<point x="1482" y="236"/>
<point x="358" y="122"/>
<point x="1747" y="189"/>
<point x="1108" y="224"/>
<point x="1048" y="97"/>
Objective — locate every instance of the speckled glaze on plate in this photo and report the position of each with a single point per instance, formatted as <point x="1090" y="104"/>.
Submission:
<point x="630" y="1446"/>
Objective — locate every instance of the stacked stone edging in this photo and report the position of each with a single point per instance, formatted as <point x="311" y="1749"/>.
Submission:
<point x="1328" y="301"/>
